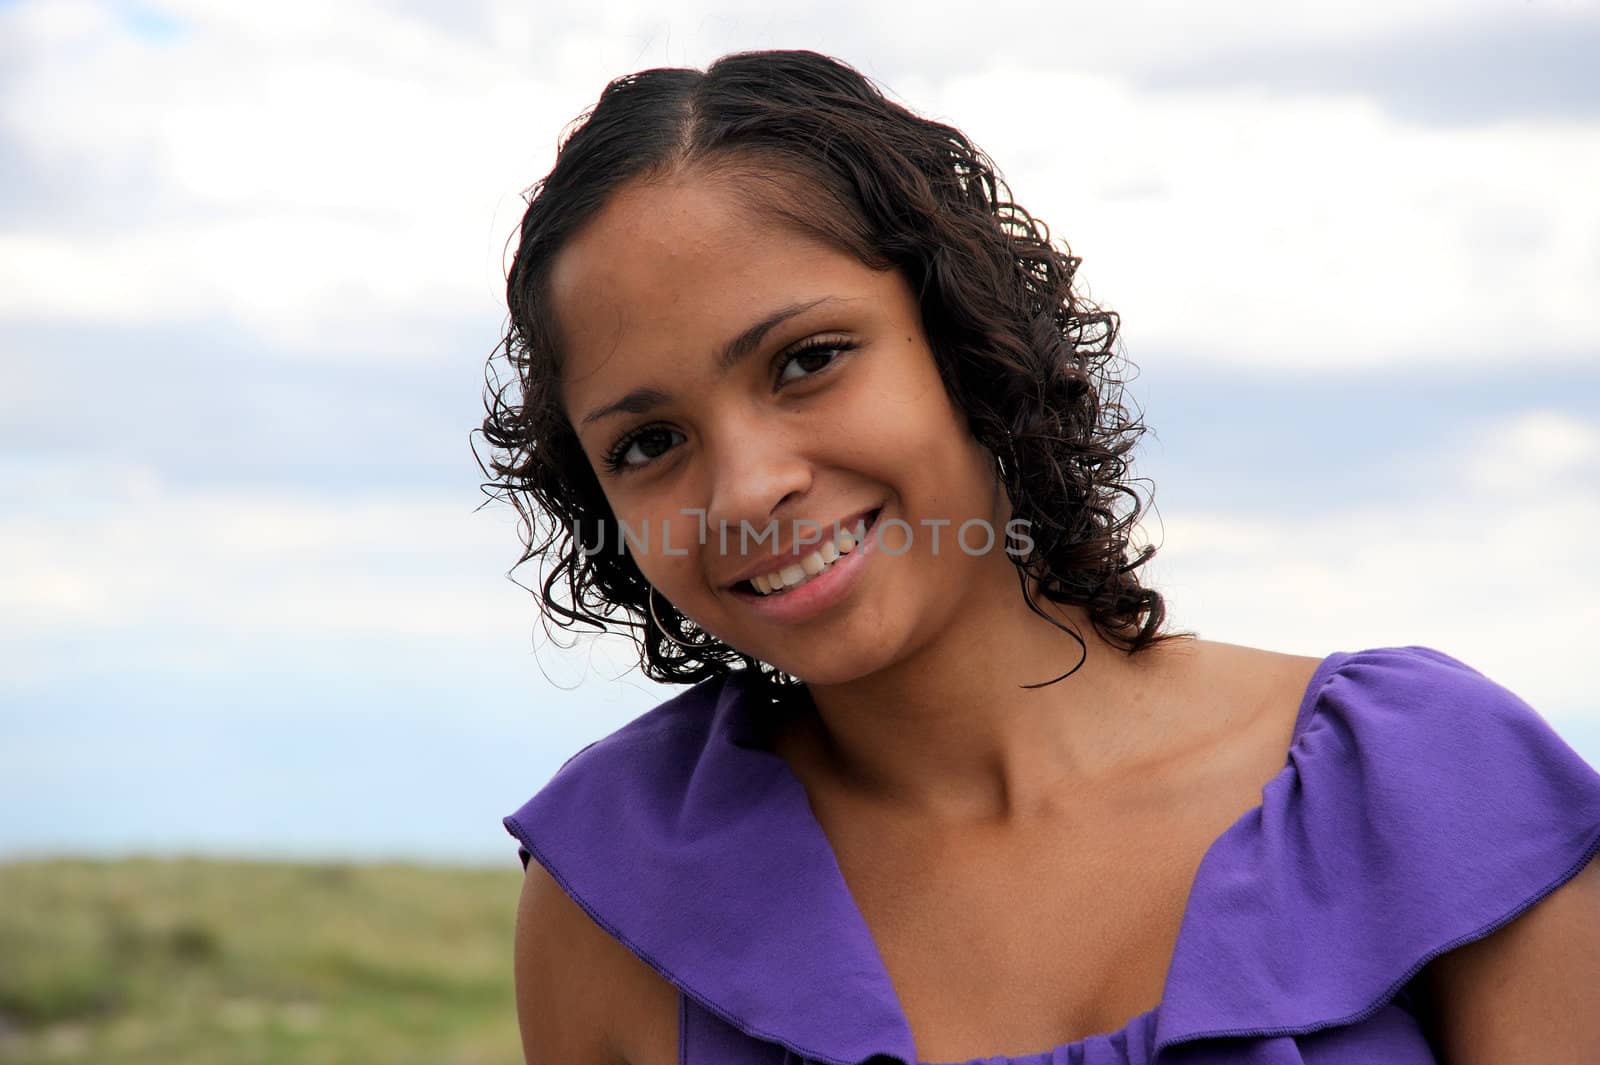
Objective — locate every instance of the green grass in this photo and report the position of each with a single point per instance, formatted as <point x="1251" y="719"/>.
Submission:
<point x="195" y="962"/>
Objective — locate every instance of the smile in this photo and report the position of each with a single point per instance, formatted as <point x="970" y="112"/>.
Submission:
<point x="812" y="565"/>
<point x="799" y="590"/>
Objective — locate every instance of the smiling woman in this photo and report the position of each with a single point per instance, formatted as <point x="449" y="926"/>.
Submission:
<point x="650" y="247"/>
<point x="811" y="404"/>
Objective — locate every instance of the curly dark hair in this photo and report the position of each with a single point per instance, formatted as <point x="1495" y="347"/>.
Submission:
<point x="1026" y="358"/>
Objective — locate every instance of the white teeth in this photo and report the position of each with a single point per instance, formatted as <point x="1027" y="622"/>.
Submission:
<point x="798" y="573"/>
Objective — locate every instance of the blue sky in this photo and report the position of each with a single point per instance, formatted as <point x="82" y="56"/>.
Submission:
<point x="251" y="268"/>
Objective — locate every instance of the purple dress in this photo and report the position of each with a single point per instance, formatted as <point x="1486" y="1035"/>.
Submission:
<point x="1422" y="807"/>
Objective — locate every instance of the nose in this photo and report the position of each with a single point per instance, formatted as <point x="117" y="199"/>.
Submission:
<point x="758" y="475"/>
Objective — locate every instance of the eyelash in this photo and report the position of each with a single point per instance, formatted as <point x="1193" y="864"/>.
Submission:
<point x="613" y="458"/>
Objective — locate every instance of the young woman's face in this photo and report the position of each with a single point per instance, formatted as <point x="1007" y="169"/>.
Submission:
<point x="777" y="386"/>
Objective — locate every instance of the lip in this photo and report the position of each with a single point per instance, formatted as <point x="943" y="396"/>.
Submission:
<point x="820" y="592"/>
<point x="775" y="562"/>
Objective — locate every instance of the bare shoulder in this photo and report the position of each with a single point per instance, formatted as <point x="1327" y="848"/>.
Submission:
<point x="1525" y="992"/>
<point x="1242" y="695"/>
<point x="1275" y="682"/>
<point x="1281" y="678"/>
<point x="1243" y="663"/>
<point x="582" y="997"/>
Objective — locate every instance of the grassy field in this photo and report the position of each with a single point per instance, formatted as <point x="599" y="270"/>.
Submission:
<point x="193" y="962"/>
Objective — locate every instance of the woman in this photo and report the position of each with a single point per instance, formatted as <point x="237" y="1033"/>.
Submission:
<point x="806" y="399"/>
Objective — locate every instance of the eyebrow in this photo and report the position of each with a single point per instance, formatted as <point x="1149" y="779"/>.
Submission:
<point x="734" y="352"/>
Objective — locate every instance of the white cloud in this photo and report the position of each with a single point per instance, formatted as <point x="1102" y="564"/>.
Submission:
<point x="326" y="174"/>
<point x="1535" y="452"/>
<point x="343" y="177"/>
<point x="332" y="176"/>
<point x="1302" y="233"/>
<point x="135" y="555"/>
<point x="1499" y="573"/>
<point x="156" y="578"/>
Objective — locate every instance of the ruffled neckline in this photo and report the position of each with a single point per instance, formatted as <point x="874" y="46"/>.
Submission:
<point x="727" y="832"/>
<point x="687" y="839"/>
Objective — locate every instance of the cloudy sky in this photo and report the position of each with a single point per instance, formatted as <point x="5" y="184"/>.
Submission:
<point x="251" y="268"/>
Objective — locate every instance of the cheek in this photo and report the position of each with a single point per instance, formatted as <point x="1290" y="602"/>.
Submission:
<point x="636" y="531"/>
<point x="665" y="543"/>
<point x="900" y="399"/>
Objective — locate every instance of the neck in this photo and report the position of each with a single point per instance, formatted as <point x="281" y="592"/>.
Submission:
<point x="949" y="734"/>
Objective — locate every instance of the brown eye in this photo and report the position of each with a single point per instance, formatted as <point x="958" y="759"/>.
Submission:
<point x="652" y="441"/>
<point x="815" y="357"/>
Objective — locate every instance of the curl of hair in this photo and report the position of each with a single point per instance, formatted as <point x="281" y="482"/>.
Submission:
<point x="819" y="147"/>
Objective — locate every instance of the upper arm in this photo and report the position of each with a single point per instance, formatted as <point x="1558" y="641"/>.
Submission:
<point x="1529" y="992"/>
<point x="564" y="992"/>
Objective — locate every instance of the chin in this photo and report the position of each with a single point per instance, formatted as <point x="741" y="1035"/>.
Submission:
<point x="827" y="668"/>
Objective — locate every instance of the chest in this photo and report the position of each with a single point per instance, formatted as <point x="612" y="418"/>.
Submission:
<point x="1021" y="941"/>
<point x="1043" y="937"/>
<point x="1009" y="946"/>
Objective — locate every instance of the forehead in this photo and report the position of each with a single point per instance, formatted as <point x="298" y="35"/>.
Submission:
<point x="668" y="271"/>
